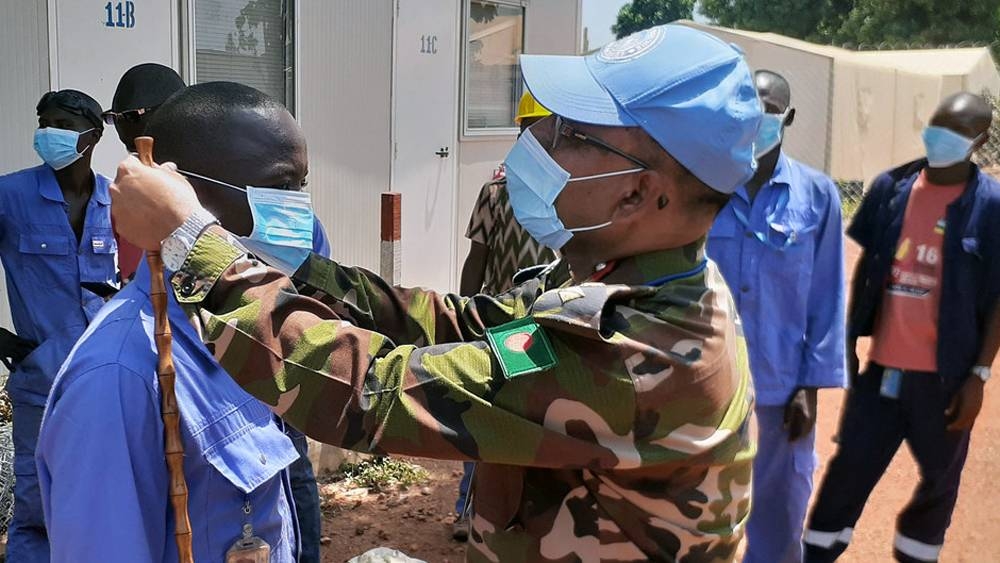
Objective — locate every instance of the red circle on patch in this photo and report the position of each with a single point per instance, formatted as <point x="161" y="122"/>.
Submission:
<point x="519" y="342"/>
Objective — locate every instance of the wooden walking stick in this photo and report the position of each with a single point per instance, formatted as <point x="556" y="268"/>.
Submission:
<point x="172" y="446"/>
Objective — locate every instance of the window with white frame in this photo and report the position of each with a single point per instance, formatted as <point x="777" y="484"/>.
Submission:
<point x="494" y="38"/>
<point x="247" y="41"/>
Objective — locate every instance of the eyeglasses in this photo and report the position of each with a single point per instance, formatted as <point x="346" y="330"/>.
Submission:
<point x="130" y="115"/>
<point x="563" y="128"/>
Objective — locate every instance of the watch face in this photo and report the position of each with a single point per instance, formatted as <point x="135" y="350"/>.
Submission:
<point x="173" y="251"/>
<point x="982" y="373"/>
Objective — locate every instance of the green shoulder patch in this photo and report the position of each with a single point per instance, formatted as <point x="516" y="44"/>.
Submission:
<point x="522" y="347"/>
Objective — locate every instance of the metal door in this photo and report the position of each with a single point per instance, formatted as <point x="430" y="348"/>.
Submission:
<point x="425" y="113"/>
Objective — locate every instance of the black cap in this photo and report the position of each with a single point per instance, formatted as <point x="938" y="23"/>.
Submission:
<point x="75" y="102"/>
<point x="145" y="86"/>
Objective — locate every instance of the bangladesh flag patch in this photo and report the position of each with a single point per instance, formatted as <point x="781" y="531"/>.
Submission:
<point x="522" y="347"/>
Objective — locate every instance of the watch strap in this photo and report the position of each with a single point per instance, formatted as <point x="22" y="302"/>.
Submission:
<point x="191" y="228"/>
<point x="982" y="372"/>
<point x="175" y="248"/>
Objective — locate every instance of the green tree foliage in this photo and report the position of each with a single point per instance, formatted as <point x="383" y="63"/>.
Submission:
<point x="865" y="22"/>
<point x="643" y="14"/>
<point x="931" y="22"/>
<point x="804" y="19"/>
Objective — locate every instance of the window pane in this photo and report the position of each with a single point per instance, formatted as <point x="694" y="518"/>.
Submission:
<point x="245" y="41"/>
<point x="495" y="38"/>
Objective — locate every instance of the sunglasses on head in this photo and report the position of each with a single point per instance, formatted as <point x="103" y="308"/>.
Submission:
<point x="130" y="115"/>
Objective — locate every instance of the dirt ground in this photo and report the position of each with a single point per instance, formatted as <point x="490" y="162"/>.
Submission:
<point x="418" y="521"/>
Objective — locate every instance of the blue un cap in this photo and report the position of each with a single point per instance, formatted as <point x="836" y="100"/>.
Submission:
<point x="690" y="91"/>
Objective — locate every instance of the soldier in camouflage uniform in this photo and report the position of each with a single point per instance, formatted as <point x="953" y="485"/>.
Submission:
<point x="499" y="247"/>
<point x="608" y="397"/>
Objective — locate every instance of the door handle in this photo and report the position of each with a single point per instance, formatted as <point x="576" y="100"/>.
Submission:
<point x="443" y="152"/>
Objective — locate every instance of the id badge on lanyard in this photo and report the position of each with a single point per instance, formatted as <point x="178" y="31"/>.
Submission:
<point x="892" y="380"/>
<point x="249" y="548"/>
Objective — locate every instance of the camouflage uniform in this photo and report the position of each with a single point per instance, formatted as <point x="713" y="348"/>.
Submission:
<point x="617" y="428"/>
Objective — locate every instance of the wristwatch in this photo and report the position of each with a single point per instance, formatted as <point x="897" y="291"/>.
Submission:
<point x="174" y="249"/>
<point x="982" y="372"/>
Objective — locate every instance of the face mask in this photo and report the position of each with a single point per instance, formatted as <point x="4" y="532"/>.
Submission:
<point x="283" y="220"/>
<point x="770" y="134"/>
<point x="57" y="147"/>
<point x="534" y="181"/>
<point x="946" y="147"/>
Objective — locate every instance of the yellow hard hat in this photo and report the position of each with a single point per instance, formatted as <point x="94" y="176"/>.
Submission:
<point x="529" y="107"/>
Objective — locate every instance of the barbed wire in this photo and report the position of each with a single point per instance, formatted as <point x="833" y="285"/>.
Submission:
<point x="6" y="458"/>
<point x="6" y="476"/>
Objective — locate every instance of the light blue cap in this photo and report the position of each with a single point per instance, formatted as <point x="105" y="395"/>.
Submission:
<point x="691" y="92"/>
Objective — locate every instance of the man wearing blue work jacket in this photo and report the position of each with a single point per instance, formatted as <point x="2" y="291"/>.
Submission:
<point x="141" y="91"/>
<point x="100" y="450"/>
<point x="779" y="246"/>
<point x="58" y="253"/>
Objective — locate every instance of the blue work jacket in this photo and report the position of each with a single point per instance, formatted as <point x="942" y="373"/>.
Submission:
<point x="782" y="256"/>
<point x="100" y="451"/>
<point x="970" y="281"/>
<point x="45" y="266"/>
<point x="321" y="244"/>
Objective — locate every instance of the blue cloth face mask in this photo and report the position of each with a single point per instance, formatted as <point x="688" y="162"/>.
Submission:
<point x="945" y="147"/>
<point x="534" y="181"/>
<point x="57" y="147"/>
<point x="283" y="220"/>
<point x="770" y="133"/>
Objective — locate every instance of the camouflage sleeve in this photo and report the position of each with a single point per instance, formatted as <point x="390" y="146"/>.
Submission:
<point x="406" y="315"/>
<point x="355" y="388"/>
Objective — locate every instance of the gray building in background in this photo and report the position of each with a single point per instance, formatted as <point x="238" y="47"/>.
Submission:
<point x="413" y="96"/>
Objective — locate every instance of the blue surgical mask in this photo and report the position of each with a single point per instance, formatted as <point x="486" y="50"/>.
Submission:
<point x="283" y="220"/>
<point x="946" y="147"/>
<point x="57" y="147"/>
<point x="534" y="181"/>
<point x="282" y="226"/>
<point x="770" y="133"/>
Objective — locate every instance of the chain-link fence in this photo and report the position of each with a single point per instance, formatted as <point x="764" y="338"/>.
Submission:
<point x="851" y="192"/>
<point x="988" y="156"/>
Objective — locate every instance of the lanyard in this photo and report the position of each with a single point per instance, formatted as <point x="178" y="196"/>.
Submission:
<point x="673" y="277"/>
<point x="779" y="208"/>
<point x="603" y="272"/>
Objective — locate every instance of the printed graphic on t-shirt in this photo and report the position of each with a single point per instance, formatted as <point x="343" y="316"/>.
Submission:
<point x="915" y="268"/>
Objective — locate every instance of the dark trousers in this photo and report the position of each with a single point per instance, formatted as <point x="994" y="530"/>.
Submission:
<point x="468" y="468"/>
<point x="872" y="429"/>
<point x="306" y="496"/>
